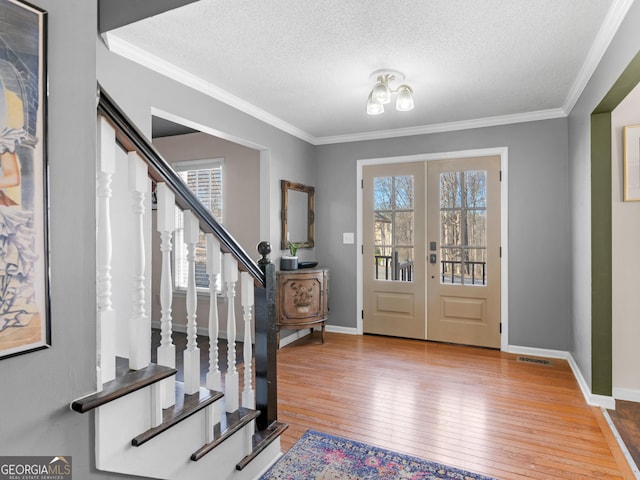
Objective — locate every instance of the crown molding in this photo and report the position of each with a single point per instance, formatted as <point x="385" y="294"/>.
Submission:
<point x="161" y="66"/>
<point x="445" y="127"/>
<point x="616" y="14"/>
<point x="610" y="26"/>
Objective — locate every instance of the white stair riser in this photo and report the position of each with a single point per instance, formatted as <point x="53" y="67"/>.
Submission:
<point x="167" y="456"/>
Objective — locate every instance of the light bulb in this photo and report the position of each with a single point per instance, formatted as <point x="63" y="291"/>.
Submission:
<point x="381" y="92"/>
<point x="373" y="107"/>
<point x="404" y="102"/>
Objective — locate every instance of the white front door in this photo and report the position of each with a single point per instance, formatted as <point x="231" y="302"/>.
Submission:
<point x="463" y="231"/>
<point x="393" y="249"/>
<point x="431" y="250"/>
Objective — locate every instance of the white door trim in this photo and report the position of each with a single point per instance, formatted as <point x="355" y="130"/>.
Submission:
<point x="503" y="152"/>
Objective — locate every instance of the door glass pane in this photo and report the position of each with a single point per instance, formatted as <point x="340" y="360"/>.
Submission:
<point x="394" y="228"/>
<point x="476" y="265"/>
<point x="450" y="228"/>
<point x="404" y="228"/>
<point x="382" y="197"/>
<point x="476" y="226"/>
<point x="403" y="264"/>
<point x="463" y="227"/>
<point x="450" y="190"/>
<point x="403" y="197"/>
<point x="450" y="265"/>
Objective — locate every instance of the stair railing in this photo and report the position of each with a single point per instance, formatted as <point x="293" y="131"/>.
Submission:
<point x="225" y="260"/>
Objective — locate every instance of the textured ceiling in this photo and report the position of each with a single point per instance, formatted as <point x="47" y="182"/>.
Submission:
<point x="304" y="65"/>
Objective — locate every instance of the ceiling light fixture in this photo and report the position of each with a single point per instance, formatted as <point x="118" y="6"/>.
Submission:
<point x="381" y="92"/>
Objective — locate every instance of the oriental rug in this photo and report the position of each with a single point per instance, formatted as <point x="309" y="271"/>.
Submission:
<point x="320" y="456"/>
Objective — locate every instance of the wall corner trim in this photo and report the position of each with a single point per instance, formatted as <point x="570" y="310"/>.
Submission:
<point x="591" y="398"/>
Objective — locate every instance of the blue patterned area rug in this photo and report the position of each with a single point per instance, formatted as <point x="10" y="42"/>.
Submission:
<point x="320" y="456"/>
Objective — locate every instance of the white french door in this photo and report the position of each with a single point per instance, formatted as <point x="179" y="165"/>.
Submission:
<point x="431" y="250"/>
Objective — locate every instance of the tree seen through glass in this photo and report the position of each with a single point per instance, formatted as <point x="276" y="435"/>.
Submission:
<point x="463" y="232"/>
<point x="394" y="228"/>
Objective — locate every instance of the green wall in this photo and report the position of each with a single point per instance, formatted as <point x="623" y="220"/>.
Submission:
<point x="601" y="281"/>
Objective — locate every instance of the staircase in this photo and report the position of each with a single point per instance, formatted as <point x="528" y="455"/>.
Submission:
<point x="146" y="422"/>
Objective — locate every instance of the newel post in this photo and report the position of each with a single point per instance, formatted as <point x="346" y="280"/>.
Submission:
<point x="265" y="342"/>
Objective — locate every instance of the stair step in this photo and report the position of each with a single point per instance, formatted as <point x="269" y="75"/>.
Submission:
<point x="232" y="423"/>
<point x="122" y="385"/>
<point x="186" y="405"/>
<point x="262" y="440"/>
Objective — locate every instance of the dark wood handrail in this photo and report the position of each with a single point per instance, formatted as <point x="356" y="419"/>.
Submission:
<point x="131" y="139"/>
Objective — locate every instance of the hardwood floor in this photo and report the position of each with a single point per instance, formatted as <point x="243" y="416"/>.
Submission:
<point x="626" y="418"/>
<point x="472" y="408"/>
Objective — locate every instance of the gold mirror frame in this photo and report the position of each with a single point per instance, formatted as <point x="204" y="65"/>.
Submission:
<point x="310" y="191"/>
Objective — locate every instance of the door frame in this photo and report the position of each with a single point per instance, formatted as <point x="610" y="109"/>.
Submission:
<point x="503" y="152"/>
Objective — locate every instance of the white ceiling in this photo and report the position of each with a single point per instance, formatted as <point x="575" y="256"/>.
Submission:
<point x="304" y="65"/>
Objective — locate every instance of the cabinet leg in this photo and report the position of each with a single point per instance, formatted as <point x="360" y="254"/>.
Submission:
<point x="323" y="332"/>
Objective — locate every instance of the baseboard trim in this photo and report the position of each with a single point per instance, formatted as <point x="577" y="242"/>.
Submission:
<point x="538" y="352"/>
<point x="627" y="394"/>
<point x="297" y="334"/>
<point x="591" y="398"/>
<point x="344" y="330"/>
<point x="623" y="447"/>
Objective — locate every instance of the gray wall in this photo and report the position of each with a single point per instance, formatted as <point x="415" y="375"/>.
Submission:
<point x="241" y="177"/>
<point x="539" y="239"/>
<point x="137" y="90"/>
<point x="37" y="388"/>
<point x="240" y="211"/>
<point x="622" y="49"/>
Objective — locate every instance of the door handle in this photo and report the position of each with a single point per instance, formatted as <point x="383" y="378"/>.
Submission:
<point x="432" y="258"/>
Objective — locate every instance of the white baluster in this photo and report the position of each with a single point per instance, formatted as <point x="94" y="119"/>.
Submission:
<point x="139" y="327"/>
<point x="246" y="290"/>
<point x="214" y="268"/>
<point x="231" y="382"/>
<point x="106" y="328"/>
<point x="155" y="412"/>
<point x="192" y="353"/>
<point x="210" y="422"/>
<point x="166" y="225"/>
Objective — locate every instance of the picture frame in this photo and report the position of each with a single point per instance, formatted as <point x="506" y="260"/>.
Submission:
<point x="24" y="214"/>
<point x="631" y="143"/>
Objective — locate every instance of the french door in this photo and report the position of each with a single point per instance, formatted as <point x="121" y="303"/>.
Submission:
<point x="393" y="249"/>
<point x="431" y="249"/>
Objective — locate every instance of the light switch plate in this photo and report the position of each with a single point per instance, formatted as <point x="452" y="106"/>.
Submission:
<point x="348" y="238"/>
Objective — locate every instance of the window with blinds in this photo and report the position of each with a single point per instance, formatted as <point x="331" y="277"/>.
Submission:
<point x="204" y="178"/>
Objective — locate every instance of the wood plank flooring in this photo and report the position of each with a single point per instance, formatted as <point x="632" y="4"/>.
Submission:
<point x="626" y="418"/>
<point x="472" y="408"/>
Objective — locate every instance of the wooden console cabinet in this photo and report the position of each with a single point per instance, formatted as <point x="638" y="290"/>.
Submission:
<point x="301" y="300"/>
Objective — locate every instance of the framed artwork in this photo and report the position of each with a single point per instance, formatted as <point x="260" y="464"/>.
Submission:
<point x="632" y="163"/>
<point x="24" y="263"/>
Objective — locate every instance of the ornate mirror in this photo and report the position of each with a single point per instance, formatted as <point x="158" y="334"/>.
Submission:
<point x="297" y="214"/>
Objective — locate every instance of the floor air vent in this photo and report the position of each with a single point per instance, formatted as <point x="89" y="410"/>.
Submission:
<point x="538" y="361"/>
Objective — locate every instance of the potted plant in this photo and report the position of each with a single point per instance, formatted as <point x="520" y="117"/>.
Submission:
<point x="290" y="262"/>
